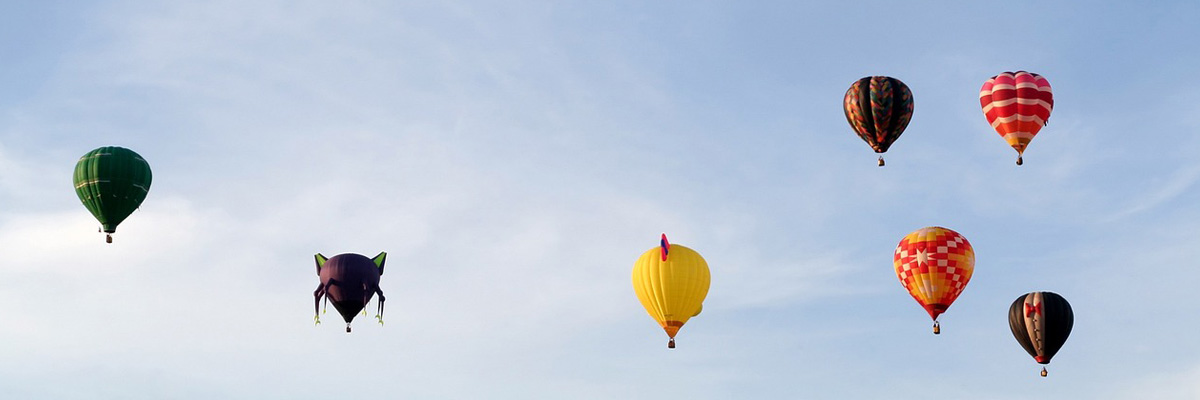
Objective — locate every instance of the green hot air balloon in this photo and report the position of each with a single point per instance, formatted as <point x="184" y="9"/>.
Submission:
<point x="112" y="182"/>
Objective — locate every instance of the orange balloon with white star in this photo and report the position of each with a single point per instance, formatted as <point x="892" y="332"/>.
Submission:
<point x="934" y="264"/>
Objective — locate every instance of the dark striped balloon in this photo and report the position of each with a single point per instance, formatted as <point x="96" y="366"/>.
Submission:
<point x="878" y="108"/>
<point x="1041" y="323"/>
<point x="111" y="182"/>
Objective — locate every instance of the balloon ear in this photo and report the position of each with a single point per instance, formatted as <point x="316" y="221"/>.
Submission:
<point x="379" y="261"/>
<point x="320" y="262"/>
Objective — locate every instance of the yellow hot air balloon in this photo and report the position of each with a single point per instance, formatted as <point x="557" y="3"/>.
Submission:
<point x="671" y="281"/>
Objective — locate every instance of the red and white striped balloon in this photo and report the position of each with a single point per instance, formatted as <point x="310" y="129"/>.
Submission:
<point x="1017" y="104"/>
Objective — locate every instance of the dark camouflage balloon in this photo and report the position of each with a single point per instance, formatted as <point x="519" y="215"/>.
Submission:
<point x="349" y="281"/>
<point x="1041" y="322"/>
<point x="878" y="108"/>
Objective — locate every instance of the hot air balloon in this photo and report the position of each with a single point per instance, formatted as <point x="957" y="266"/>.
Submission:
<point x="878" y="108"/>
<point x="934" y="264"/>
<point x="1017" y="104"/>
<point x="671" y="281"/>
<point x="349" y="281"/>
<point x="1041" y="322"/>
<point x="112" y="182"/>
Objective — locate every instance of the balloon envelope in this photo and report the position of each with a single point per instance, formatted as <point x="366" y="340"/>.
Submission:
<point x="934" y="264"/>
<point x="1041" y="323"/>
<point x="878" y="108"/>
<point x="350" y="281"/>
<point x="112" y="182"/>
<point x="1017" y="105"/>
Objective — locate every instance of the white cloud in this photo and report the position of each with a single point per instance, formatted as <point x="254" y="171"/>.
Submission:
<point x="1178" y="184"/>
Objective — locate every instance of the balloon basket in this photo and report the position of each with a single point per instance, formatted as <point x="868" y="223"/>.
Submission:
<point x="1044" y="373"/>
<point x="937" y="328"/>
<point x="107" y="238"/>
<point x="671" y="343"/>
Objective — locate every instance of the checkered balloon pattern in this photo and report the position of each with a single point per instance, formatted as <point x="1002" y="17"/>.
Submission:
<point x="1017" y="104"/>
<point x="934" y="264"/>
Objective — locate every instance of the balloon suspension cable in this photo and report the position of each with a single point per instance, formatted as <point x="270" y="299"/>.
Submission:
<point x="108" y="238"/>
<point x="880" y="161"/>
<point x="671" y="344"/>
<point x="1044" y="373"/>
<point x="347" y="327"/>
<point x="1020" y="161"/>
<point x="937" y="328"/>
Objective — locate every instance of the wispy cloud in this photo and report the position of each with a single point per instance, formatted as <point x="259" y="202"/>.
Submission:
<point x="1165" y="190"/>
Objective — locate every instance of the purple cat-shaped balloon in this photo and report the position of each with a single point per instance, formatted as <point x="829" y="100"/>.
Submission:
<point x="349" y="281"/>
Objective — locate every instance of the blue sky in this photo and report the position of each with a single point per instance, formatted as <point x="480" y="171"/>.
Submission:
<point x="515" y="159"/>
